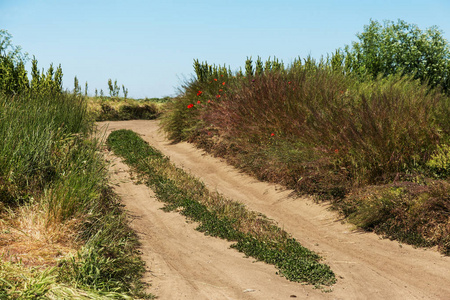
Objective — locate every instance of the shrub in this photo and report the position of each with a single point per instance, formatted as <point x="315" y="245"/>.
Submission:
<point x="400" y="47"/>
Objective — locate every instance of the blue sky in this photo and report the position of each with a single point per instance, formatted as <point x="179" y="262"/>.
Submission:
<point x="149" y="46"/>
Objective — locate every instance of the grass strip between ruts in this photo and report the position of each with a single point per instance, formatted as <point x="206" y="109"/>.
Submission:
<point x="294" y="261"/>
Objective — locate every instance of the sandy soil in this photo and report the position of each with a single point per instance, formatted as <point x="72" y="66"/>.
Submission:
<point x="185" y="264"/>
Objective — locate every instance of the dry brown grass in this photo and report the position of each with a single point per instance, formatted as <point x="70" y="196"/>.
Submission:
<point x="27" y="237"/>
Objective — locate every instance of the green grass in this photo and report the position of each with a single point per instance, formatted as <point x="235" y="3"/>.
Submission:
<point x="51" y="168"/>
<point x="253" y="234"/>
<point x="19" y="282"/>
<point x="320" y="131"/>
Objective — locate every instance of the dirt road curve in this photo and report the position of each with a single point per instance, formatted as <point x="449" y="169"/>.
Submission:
<point x="185" y="264"/>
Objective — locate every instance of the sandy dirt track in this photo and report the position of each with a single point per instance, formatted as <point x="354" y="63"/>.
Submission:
<point x="185" y="264"/>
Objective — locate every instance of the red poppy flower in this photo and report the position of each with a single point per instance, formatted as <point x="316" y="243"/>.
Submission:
<point x="215" y="79"/>
<point x="272" y="134"/>
<point x="218" y="96"/>
<point x="223" y="83"/>
<point x="209" y="101"/>
<point x="190" y="105"/>
<point x="220" y="90"/>
<point x="198" y="102"/>
<point x="199" y="93"/>
<point x="336" y="150"/>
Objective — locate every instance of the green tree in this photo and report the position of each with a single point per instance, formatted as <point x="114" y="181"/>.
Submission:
<point x="110" y="87"/>
<point x="125" y="91"/>
<point x="114" y="89"/>
<point x="13" y="76"/>
<point x="249" y="67"/>
<point x="259" y="66"/>
<point x="76" y="86"/>
<point x="49" y="84"/>
<point x="35" y="75"/>
<point x="58" y="80"/>
<point x="399" y="47"/>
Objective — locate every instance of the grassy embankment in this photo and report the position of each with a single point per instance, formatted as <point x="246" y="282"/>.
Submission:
<point x="255" y="235"/>
<point x="63" y="234"/>
<point x="378" y="149"/>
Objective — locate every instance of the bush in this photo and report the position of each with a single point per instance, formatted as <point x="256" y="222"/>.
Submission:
<point x="439" y="162"/>
<point x="400" y="47"/>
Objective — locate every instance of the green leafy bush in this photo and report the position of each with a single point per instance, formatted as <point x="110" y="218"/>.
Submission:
<point x="400" y="47"/>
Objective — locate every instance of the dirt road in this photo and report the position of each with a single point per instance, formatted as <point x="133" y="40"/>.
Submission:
<point x="185" y="264"/>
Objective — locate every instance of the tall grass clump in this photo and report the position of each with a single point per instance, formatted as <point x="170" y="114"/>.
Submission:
<point x="318" y="129"/>
<point x="51" y="167"/>
<point x="31" y="129"/>
<point x="63" y="233"/>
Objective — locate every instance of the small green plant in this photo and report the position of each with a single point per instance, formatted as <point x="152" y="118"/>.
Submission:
<point x="439" y="162"/>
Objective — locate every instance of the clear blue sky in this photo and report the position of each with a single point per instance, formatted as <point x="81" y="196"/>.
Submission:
<point x="149" y="45"/>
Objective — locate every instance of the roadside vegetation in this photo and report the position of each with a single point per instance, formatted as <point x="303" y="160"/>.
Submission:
<point x="63" y="234"/>
<point x="366" y="128"/>
<point x="115" y="109"/>
<point x="254" y="234"/>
